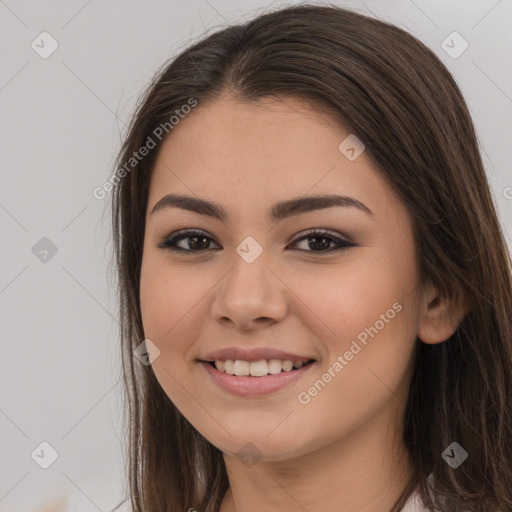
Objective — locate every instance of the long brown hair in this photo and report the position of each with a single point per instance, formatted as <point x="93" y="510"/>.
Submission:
<point x="404" y="105"/>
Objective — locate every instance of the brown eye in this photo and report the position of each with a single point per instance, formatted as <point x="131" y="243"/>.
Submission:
<point x="198" y="241"/>
<point x="321" y="240"/>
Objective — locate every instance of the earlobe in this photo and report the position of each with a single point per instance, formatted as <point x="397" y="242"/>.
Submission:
<point x="440" y="316"/>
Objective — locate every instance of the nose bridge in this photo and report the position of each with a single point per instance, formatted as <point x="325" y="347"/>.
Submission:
<point x="250" y="266"/>
<point x="249" y="291"/>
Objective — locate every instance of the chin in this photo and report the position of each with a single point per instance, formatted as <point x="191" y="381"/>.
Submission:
<point x="261" y="447"/>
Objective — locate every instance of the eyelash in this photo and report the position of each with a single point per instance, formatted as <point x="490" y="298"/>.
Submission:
<point x="169" y="242"/>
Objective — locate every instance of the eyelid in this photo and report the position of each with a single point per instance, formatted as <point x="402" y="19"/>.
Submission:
<point x="322" y="231"/>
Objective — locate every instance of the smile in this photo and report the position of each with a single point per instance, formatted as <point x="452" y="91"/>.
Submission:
<point x="246" y="384"/>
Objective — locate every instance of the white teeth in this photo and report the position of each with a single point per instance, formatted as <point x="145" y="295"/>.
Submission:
<point x="229" y="367"/>
<point x="274" y="366"/>
<point x="256" y="368"/>
<point x="287" y="365"/>
<point x="242" y="367"/>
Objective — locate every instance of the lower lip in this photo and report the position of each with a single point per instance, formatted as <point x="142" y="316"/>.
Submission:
<point x="254" y="386"/>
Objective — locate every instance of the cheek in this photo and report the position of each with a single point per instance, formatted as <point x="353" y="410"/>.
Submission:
<point x="172" y="316"/>
<point x="368" y="309"/>
<point x="368" y="347"/>
<point x="170" y="305"/>
<point x="355" y="293"/>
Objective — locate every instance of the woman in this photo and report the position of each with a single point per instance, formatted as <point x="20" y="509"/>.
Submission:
<point x="314" y="285"/>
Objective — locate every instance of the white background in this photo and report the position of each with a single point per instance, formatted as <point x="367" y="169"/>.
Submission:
<point x="60" y="125"/>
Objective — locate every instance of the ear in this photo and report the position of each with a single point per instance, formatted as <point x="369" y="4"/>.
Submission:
<point x="439" y="316"/>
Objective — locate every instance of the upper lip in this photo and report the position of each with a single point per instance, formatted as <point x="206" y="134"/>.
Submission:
<point x="252" y="354"/>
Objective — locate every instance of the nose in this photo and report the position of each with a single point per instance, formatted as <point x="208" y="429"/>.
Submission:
<point x="251" y="296"/>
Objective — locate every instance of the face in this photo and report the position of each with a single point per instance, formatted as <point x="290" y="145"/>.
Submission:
<point x="337" y="284"/>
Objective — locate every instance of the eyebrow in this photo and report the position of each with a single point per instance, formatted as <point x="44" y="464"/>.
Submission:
<point x="276" y="213"/>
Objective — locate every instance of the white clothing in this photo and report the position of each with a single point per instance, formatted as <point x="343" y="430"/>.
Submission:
<point x="414" y="504"/>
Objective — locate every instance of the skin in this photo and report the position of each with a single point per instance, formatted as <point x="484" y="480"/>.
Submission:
<point x="343" y="450"/>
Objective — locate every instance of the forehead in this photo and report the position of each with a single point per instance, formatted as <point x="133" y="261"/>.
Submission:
<point x="252" y="153"/>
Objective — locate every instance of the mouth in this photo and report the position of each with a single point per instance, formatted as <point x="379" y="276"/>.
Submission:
<point x="260" y="368"/>
<point x="248" y="385"/>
